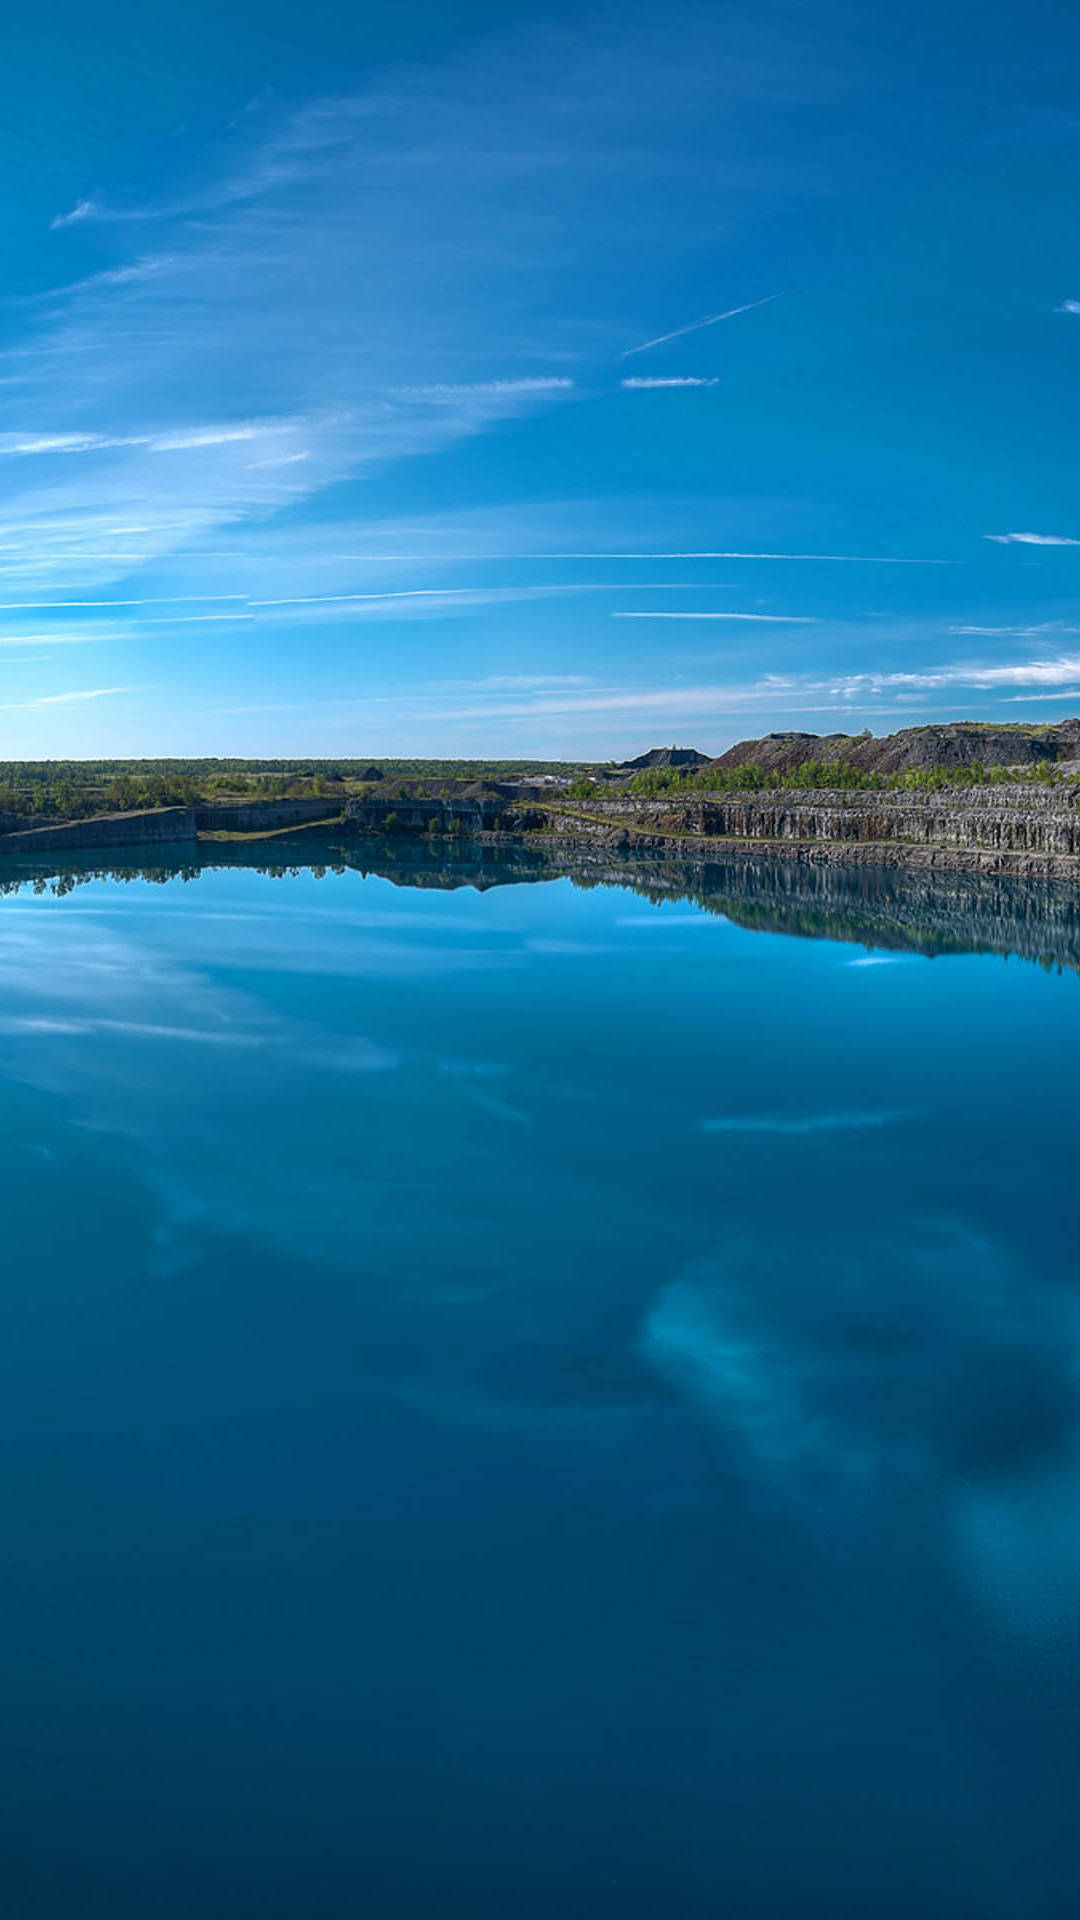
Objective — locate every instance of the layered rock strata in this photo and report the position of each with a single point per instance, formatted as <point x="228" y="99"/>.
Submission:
<point x="159" y="826"/>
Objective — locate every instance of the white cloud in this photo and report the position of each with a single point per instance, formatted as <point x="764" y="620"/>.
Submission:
<point x="322" y="302"/>
<point x="402" y="603"/>
<point x="191" y="619"/>
<point x="179" y="442"/>
<point x="1068" y="306"/>
<point x="622" y="553"/>
<point x="83" y="210"/>
<point x="501" y="388"/>
<point x="676" y="380"/>
<point x="201" y="437"/>
<point x="691" y="703"/>
<point x="703" y="703"/>
<point x="1039" y="631"/>
<point x="154" y="600"/>
<point x="858" y="559"/>
<point x="1022" y="673"/>
<point x="1032" y="539"/>
<point x="12" y="443"/>
<point x="351" y="555"/>
<point x="514" y="682"/>
<point x="389" y="272"/>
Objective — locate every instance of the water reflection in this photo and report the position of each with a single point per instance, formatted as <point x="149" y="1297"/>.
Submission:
<point x="922" y="911"/>
<point x="549" y="1401"/>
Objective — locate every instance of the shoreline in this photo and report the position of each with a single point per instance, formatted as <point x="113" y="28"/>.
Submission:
<point x="897" y="855"/>
<point x="932" y="909"/>
<point x="1013" y="833"/>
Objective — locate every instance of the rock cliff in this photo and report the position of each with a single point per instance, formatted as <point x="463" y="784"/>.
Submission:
<point x="262" y="816"/>
<point x="159" y="826"/>
<point x="1028" y="829"/>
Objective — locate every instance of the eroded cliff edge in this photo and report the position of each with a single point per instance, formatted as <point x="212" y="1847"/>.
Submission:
<point x="1028" y="828"/>
<point x="1033" y="830"/>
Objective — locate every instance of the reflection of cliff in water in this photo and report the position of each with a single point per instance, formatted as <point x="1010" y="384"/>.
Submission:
<point x="916" y="910"/>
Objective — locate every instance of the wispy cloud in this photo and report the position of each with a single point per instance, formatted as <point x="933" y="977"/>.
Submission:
<point x="516" y="682"/>
<point x="153" y="600"/>
<point x="358" y="317"/>
<point x="383" y="251"/>
<point x="1032" y="539"/>
<point x="192" y="619"/>
<point x="623" y="553"/>
<point x="692" y="702"/>
<point x="12" y="443"/>
<point x="695" y="326"/>
<point x="409" y="602"/>
<point x="501" y="388"/>
<point x="675" y="380"/>
<point x="771" y="619"/>
<point x="1068" y="306"/>
<point x="1021" y="673"/>
<point x="68" y="699"/>
<point x="700" y="703"/>
<point x="202" y="437"/>
<point x="562" y="531"/>
<point x="180" y="442"/>
<point x="82" y="210"/>
<point x="1038" y="630"/>
<point x="418" y="593"/>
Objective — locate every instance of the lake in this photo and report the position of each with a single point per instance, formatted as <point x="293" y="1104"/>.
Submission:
<point x="530" y="1393"/>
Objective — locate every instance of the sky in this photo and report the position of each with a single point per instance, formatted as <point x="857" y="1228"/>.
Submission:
<point x="539" y="381"/>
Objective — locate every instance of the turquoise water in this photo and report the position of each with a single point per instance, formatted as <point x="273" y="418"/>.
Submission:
<point x="538" y="1400"/>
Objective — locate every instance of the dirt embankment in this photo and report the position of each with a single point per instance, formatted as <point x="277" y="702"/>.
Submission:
<point x="958" y="743"/>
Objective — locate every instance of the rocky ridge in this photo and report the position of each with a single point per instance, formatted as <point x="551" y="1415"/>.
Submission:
<point x="928" y="749"/>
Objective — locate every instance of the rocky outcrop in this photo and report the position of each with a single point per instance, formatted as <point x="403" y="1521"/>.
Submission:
<point x="1015" y="829"/>
<point x="469" y="808"/>
<point x="913" y="749"/>
<point x="159" y="826"/>
<point x="263" y="816"/>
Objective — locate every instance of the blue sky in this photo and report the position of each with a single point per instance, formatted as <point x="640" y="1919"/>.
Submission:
<point x="548" y="381"/>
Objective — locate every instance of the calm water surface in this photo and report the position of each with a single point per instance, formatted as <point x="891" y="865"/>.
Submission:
<point x="532" y="1402"/>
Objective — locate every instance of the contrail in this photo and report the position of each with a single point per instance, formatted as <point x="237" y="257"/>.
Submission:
<point x="696" y="325"/>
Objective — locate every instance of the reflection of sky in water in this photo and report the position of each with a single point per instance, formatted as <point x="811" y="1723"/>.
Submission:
<point x="531" y="1402"/>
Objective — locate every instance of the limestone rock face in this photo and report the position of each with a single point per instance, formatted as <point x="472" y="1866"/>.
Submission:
<point x="1014" y="829"/>
<point x="158" y="826"/>
<point x="259" y="816"/>
<point x="462" y="807"/>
